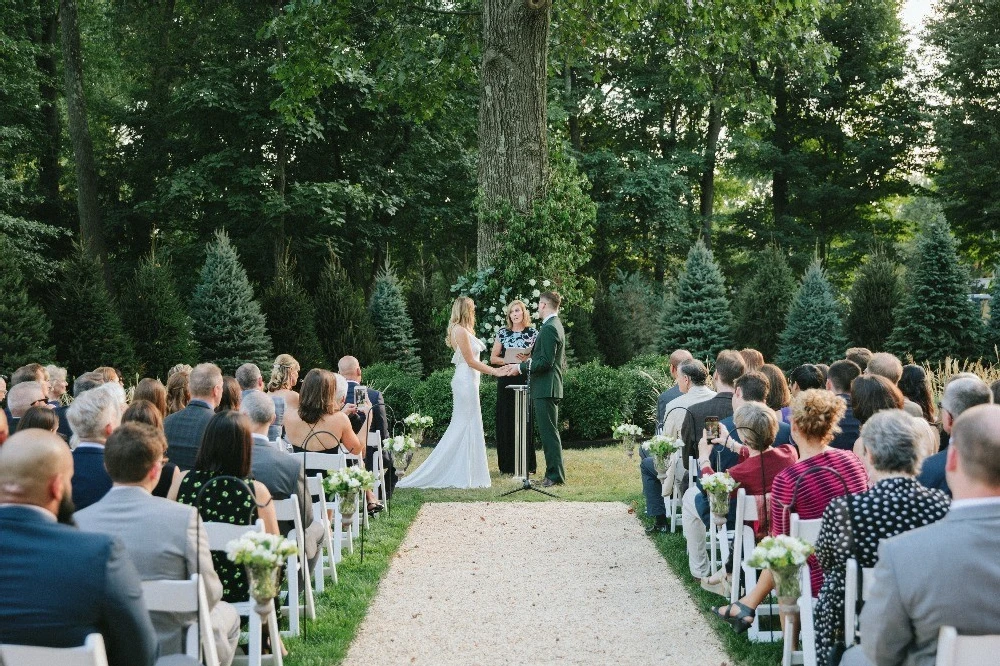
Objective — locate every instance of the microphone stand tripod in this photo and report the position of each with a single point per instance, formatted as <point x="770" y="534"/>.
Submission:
<point x="528" y="444"/>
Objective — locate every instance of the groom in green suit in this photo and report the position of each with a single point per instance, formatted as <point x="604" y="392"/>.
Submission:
<point x="546" y="366"/>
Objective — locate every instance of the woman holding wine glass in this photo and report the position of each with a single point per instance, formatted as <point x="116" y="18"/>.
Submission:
<point x="512" y="345"/>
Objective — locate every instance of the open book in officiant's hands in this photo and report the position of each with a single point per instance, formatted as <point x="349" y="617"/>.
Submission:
<point x="516" y="354"/>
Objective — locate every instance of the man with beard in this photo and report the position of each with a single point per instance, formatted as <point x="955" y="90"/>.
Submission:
<point x="57" y="584"/>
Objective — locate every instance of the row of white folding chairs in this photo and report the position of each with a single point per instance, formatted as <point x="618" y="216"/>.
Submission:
<point x="744" y="542"/>
<point x="289" y="510"/>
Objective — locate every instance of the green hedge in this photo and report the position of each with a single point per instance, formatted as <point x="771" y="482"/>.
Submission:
<point x="397" y="387"/>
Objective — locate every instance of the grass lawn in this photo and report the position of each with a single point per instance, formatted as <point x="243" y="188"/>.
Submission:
<point x="595" y="475"/>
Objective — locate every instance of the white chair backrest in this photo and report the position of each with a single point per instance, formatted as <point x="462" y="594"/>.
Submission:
<point x="91" y="653"/>
<point x="319" y="460"/>
<point x="288" y="509"/>
<point x="807" y="530"/>
<point x="220" y="534"/>
<point x="852" y="571"/>
<point x="171" y="596"/>
<point x="375" y="440"/>
<point x="956" y="650"/>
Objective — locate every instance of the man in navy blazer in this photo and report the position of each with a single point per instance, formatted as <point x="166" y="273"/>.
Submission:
<point x="961" y="393"/>
<point x="838" y="380"/>
<point x="350" y="368"/>
<point x="185" y="428"/>
<point x="93" y="417"/>
<point x="57" y="584"/>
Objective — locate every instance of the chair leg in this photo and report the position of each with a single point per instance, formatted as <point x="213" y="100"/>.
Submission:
<point x="276" y="646"/>
<point x="293" y="595"/>
<point x="256" y="647"/>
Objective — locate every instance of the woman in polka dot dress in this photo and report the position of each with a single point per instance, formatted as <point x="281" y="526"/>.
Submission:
<point x="854" y="525"/>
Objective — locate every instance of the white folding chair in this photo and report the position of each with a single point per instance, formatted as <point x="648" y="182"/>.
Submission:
<point x="808" y="531"/>
<point x="329" y="553"/>
<point x="186" y="596"/>
<point x="378" y="468"/>
<point x="91" y="653"/>
<point x="744" y="541"/>
<point x="328" y="462"/>
<point x="288" y="510"/>
<point x="361" y="510"/>
<point x="956" y="650"/>
<point x="851" y="598"/>
<point x="220" y="534"/>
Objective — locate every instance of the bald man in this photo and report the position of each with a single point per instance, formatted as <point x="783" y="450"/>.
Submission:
<point x="57" y="584"/>
<point x="676" y="358"/>
<point x="350" y="368"/>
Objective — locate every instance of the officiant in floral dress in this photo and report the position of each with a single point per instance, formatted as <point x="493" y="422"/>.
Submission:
<point x="517" y="334"/>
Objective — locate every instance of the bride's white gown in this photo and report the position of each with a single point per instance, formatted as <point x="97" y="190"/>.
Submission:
<point x="459" y="459"/>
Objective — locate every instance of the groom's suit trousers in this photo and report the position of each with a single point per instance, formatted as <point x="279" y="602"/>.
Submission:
<point x="547" y="424"/>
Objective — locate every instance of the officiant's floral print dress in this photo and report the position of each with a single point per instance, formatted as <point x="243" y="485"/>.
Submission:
<point x="225" y="501"/>
<point x="509" y="339"/>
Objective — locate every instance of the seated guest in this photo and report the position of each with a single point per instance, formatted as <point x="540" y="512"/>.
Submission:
<point x="143" y="411"/>
<point x="226" y="450"/>
<point x="806" y="376"/>
<point x="39" y="417"/>
<point x="58" y="584"/>
<point x="178" y="391"/>
<point x="180" y="367"/>
<point x="278" y="471"/>
<point x="153" y="391"/>
<point x="93" y="417"/>
<point x="729" y="367"/>
<point x="778" y="395"/>
<point x="320" y="424"/>
<point x="57" y="384"/>
<point x="284" y="377"/>
<point x="886" y="365"/>
<point x="184" y="428"/>
<point x="750" y="387"/>
<point x="958" y="575"/>
<point x="871" y="394"/>
<point x="249" y="378"/>
<point x="758" y="463"/>
<point x="3" y="388"/>
<point x="86" y="382"/>
<point x="231" y="395"/>
<point x="676" y="358"/>
<point x="824" y="369"/>
<point x="915" y="386"/>
<point x="33" y="372"/>
<point x="961" y="393"/>
<point x="838" y="380"/>
<point x="162" y="538"/>
<point x="859" y="356"/>
<point x="110" y="375"/>
<point x="815" y="415"/>
<point x="22" y="397"/>
<point x="350" y="368"/>
<point x="854" y="525"/>
<point x="754" y="359"/>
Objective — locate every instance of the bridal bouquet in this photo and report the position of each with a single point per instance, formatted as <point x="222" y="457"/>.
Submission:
<point x="661" y="447"/>
<point x="628" y="433"/>
<point x="262" y="554"/>
<point x="784" y="556"/>
<point x="719" y="486"/>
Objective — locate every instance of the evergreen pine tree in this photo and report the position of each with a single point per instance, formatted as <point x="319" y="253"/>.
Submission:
<point x="228" y="323"/>
<point x="697" y="316"/>
<point x="87" y="328"/>
<point x="291" y="317"/>
<point x="155" y="317"/>
<point x="936" y="319"/>
<point x="426" y="314"/>
<point x="813" y="330"/>
<point x="342" y="320"/>
<point x="993" y="330"/>
<point x="612" y="343"/>
<point x="876" y="292"/>
<point x="763" y="299"/>
<point x="24" y="328"/>
<point x="393" y="327"/>
<point x="580" y="337"/>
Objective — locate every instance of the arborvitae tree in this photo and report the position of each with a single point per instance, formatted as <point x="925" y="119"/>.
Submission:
<point x="936" y="319"/>
<point x="613" y="344"/>
<point x="580" y="337"/>
<point x="763" y="302"/>
<point x="876" y="292"/>
<point x="393" y="327"/>
<point x="423" y="309"/>
<point x="228" y="322"/>
<point x="342" y="320"/>
<point x="87" y="329"/>
<point x="156" y="319"/>
<point x="24" y="328"/>
<point x="813" y="330"/>
<point x="993" y="330"/>
<point x="291" y="317"/>
<point x="697" y="316"/>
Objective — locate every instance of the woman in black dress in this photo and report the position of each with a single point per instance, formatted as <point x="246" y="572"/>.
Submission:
<point x="517" y="334"/>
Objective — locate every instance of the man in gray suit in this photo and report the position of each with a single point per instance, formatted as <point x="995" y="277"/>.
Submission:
<point x="163" y="539"/>
<point x="278" y="471"/>
<point x="946" y="573"/>
<point x="676" y="358"/>
<point x="185" y="428"/>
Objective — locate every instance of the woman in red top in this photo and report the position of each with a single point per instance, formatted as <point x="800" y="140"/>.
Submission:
<point x="815" y="415"/>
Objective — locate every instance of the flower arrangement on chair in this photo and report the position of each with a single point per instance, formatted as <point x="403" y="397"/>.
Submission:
<point x="719" y="487"/>
<point x="402" y="447"/>
<point x="783" y="556"/>
<point x="629" y="434"/>
<point x="415" y="424"/>
<point x="263" y="555"/>
<point x="347" y="483"/>
<point x="662" y="447"/>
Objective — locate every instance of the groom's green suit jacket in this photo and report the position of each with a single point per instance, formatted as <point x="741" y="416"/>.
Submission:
<point x="548" y="360"/>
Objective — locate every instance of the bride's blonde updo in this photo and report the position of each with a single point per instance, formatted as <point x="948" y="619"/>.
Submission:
<point x="463" y="313"/>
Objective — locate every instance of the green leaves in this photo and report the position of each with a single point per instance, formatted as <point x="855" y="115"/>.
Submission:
<point x="813" y="332"/>
<point x="697" y="316"/>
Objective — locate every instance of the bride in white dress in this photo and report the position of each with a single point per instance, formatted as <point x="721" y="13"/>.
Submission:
<point x="459" y="459"/>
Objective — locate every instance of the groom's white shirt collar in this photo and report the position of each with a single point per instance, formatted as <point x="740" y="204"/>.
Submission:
<point x="549" y="317"/>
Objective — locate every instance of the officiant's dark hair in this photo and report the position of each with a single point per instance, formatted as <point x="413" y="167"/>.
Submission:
<point x="552" y="298"/>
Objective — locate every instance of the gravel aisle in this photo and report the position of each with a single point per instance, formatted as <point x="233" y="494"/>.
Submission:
<point x="535" y="583"/>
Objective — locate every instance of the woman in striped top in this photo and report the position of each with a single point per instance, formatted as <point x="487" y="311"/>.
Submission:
<point x="796" y="489"/>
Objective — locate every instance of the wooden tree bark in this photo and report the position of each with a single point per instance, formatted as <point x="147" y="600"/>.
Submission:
<point x="779" y="183"/>
<point x="48" y="159"/>
<point x="91" y="233"/>
<point x="513" y="154"/>
<point x="708" y="175"/>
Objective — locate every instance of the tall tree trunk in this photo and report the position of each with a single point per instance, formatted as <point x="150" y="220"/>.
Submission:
<point x="48" y="160"/>
<point x="708" y="175"/>
<point x="779" y="179"/>
<point x="91" y="234"/>
<point x="513" y="154"/>
<point x="573" y="108"/>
